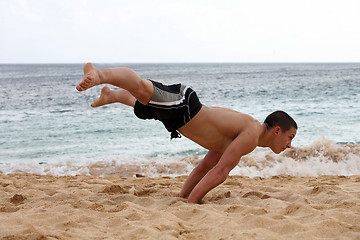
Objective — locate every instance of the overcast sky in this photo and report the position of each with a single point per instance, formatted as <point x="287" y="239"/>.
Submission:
<point x="71" y="31"/>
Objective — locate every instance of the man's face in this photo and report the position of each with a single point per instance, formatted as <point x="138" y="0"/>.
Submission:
<point x="282" y="139"/>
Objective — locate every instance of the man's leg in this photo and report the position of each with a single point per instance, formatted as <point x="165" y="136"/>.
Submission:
<point x="124" y="78"/>
<point x="209" y="161"/>
<point x="108" y="96"/>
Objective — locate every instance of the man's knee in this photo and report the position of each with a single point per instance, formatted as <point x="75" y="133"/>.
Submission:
<point x="144" y="91"/>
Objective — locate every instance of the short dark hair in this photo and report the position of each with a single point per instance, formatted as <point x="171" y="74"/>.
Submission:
<point x="281" y="119"/>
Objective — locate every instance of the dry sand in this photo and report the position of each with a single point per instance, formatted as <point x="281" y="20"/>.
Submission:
<point x="88" y="207"/>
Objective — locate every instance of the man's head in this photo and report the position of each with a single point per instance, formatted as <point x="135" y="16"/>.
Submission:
<point x="283" y="128"/>
<point x="281" y="119"/>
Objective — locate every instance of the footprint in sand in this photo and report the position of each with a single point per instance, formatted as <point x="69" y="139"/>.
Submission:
<point x="235" y="209"/>
<point x="114" y="189"/>
<point x="17" y="199"/>
<point x="8" y="209"/>
<point x="256" y="194"/>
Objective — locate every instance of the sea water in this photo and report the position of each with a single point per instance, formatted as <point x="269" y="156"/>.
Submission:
<point x="47" y="127"/>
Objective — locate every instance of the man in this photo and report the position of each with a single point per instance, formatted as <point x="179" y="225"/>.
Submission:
<point x="227" y="134"/>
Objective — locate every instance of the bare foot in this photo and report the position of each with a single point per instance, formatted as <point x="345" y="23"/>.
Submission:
<point x="106" y="97"/>
<point x="91" y="78"/>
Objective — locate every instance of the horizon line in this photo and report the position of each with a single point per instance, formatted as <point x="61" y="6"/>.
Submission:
<point x="229" y="62"/>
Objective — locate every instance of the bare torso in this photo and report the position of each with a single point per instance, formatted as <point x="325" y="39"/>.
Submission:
<point x="214" y="128"/>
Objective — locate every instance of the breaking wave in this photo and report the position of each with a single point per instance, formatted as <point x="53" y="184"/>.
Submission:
<point x="322" y="157"/>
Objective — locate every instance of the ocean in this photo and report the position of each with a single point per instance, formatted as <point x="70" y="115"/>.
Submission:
<point x="48" y="127"/>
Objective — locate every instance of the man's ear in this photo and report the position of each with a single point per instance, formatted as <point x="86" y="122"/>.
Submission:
<point x="277" y="130"/>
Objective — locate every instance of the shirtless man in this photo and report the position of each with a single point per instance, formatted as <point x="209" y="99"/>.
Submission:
<point x="227" y="134"/>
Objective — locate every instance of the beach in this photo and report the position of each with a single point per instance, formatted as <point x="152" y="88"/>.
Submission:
<point x="113" y="207"/>
<point x="69" y="171"/>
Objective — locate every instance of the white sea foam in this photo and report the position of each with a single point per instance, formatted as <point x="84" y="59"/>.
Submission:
<point x="323" y="157"/>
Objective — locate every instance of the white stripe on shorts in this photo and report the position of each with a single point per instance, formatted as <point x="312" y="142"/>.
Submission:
<point x="173" y="102"/>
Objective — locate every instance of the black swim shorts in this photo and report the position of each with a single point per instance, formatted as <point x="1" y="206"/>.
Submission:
<point x="174" y="105"/>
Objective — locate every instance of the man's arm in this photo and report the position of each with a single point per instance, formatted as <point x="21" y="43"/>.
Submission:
<point x="241" y="145"/>
<point x="209" y="161"/>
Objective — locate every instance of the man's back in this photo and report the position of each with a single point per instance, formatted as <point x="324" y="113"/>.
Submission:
<point x="215" y="128"/>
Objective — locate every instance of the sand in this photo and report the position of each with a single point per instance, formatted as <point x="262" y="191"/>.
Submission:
<point x="89" y="207"/>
